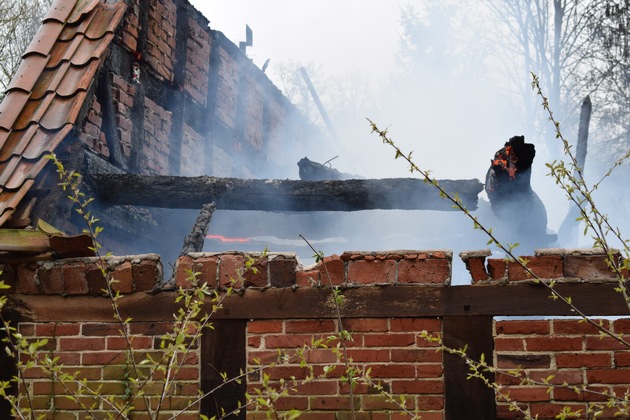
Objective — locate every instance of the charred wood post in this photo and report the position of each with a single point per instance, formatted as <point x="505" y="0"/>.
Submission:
<point x="567" y="228"/>
<point x="318" y="103"/>
<point x="195" y="239"/>
<point x="279" y="195"/>
<point x="512" y="199"/>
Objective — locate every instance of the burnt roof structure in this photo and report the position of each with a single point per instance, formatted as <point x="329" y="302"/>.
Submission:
<point x="149" y="89"/>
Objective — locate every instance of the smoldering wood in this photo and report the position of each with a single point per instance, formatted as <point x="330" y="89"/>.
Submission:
<point x="523" y="299"/>
<point x="193" y="242"/>
<point x="279" y="195"/>
<point x="314" y="171"/>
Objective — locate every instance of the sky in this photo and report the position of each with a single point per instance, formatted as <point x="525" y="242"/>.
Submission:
<point x="341" y="35"/>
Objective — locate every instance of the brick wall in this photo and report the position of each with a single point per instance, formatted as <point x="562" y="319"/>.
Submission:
<point x="567" y="353"/>
<point x="389" y="345"/>
<point x="220" y="114"/>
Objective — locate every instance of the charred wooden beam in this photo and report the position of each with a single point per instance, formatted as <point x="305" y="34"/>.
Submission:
<point x="279" y="195"/>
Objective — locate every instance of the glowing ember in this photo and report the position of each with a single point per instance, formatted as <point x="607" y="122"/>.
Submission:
<point x="506" y="159"/>
<point x="230" y="240"/>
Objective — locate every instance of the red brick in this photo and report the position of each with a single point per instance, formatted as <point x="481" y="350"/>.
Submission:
<point x="365" y="324"/>
<point x="287" y="341"/>
<point x="418" y="386"/>
<point x="395" y="370"/>
<point x="265" y="326"/>
<point x="425" y="370"/>
<point x="591" y="267"/>
<point x="51" y="279"/>
<point x="382" y="402"/>
<point x="426" y="271"/>
<point x="286" y="372"/>
<point x="577" y="327"/>
<point x="364" y="355"/>
<point x="282" y="271"/>
<point x="95" y="278"/>
<point x="74" y="279"/>
<point x="476" y="266"/>
<point x="497" y="268"/>
<point x="137" y="342"/>
<point x="528" y="393"/>
<point x="560" y="377"/>
<point x="321" y="356"/>
<point x="101" y="329"/>
<point x="608" y="376"/>
<point x="150" y="328"/>
<point x="544" y="266"/>
<point x="310" y="326"/>
<point x="622" y="326"/>
<point x="331" y="403"/>
<point x="254" y="342"/>
<point x="603" y="343"/>
<point x="622" y="359"/>
<point x="307" y="278"/>
<point x="372" y="272"/>
<point x="231" y="269"/>
<point x="101" y="358"/>
<point x="332" y="271"/>
<point x="427" y="402"/>
<point x="553" y="343"/>
<point x="389" y="340"/>
<point x="291" y="403"/>
<point x="524" y="361"/>
<point x="146" y="274"/>
<point x="415" y="324"/>
<point x="123" y="276"/>
<point x="27" y="283"/>
<point x="587" y="360"/>
<point x="82" y="343"/>
<point x="53" y="329"/>
<point x="508" y="344"/>
<point x="550" y="410"/>
<point x="522" y="327"/>
<point x="318" y="387"/>
<point x="256" y="276"/>
<point x="183" y="272"/>
<point x="416" y="355"/>
<point x="590" y="394"/>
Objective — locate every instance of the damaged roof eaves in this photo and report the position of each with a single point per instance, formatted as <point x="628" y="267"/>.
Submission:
<point x="44" y="98"/>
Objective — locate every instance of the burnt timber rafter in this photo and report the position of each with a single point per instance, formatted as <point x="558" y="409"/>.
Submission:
<point x="279" y="194"/>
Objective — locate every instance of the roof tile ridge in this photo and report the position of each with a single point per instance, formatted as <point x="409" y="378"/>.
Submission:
<point x="59" y="11"/>
<point x="81" y="8"/>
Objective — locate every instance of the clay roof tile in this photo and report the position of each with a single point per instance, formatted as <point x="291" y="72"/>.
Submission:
<point x="45" y="97"/>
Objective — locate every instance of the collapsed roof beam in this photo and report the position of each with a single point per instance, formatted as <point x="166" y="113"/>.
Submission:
<point x="279" y="195"/>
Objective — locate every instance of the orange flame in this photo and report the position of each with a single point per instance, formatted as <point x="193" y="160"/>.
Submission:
<point x="224" y="239"/>
<point x="507" y="161"/>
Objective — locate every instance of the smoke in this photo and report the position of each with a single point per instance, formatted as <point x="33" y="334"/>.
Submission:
<point x="432" y="76"/>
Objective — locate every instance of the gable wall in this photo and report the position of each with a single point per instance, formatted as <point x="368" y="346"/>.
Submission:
<point x="199" y="106"/>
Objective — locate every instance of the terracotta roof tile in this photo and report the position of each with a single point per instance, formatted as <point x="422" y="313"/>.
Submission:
<point x="45" y="38"/>
<point x="46" y="95"/>
<point x="59" y="10"/>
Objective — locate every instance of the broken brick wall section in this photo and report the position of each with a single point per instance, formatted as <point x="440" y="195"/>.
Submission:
<point x="392" y="348"/>
<point x="191" y="100"/>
